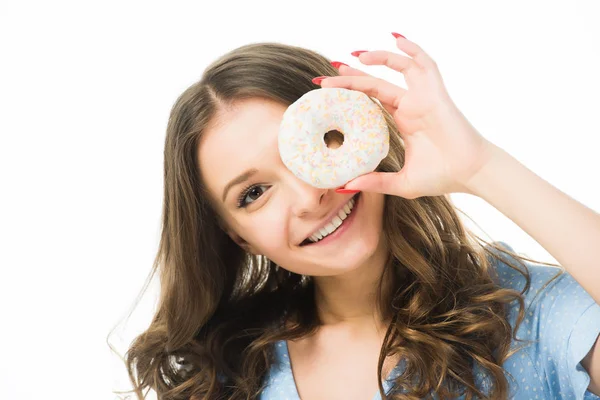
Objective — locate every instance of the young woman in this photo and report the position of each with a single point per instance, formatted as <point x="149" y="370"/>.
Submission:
<point x="400" y="301"/>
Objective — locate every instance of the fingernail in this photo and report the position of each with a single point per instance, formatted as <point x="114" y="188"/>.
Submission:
<point x="358" y="52"/>
<point x="337" y="64"/>
<point x="346" y="191"/>
<point x="397" y="35"/>
<point x="318" y="79"/>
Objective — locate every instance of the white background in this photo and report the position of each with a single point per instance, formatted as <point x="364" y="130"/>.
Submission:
<point x="85" y="92"/>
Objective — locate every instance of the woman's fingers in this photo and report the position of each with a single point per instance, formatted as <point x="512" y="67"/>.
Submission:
<point x="411" y="68"/>
<point x="414" y="73"/>
<point x="387" y="93"/>
<point x="346" y="70"/>
<point x="394" y="61"/>
<point x="419" y="56"/>
<point x="392" y="183"/>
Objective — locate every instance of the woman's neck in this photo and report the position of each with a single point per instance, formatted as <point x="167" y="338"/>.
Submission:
<point x="350" y="299"/>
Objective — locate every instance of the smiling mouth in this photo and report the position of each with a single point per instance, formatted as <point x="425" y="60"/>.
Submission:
<point x="333" y="225"/>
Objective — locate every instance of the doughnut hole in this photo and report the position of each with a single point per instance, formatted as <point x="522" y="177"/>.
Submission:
<point x="333" y="139"/>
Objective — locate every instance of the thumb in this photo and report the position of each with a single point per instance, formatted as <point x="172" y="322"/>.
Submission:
<point x="380" y="182"/>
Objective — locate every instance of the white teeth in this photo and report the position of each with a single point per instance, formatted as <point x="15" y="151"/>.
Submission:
<point x="329" y="228"/>
<point x="335" y="222"/>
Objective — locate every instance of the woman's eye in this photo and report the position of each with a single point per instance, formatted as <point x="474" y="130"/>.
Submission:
<point x="251" y="194"/>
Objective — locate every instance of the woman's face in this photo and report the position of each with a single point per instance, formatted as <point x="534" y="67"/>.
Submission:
<point x="269" y="211"/>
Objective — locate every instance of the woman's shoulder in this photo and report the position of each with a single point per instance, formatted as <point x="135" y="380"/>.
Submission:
<point x="548" y="291"/>
<point x="561" y="320"/>
<point x="512" y="273"/>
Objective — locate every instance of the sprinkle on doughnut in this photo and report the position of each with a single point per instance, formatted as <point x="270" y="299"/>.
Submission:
<point x="301" y="136"/>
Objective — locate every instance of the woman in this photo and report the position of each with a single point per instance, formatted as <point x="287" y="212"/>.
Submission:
<point x="403" y="302"/>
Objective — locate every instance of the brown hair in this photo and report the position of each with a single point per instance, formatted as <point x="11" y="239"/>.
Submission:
<point x="220" y="309"/>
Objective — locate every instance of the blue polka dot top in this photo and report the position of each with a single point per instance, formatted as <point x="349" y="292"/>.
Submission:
<point x="562" y="318"/>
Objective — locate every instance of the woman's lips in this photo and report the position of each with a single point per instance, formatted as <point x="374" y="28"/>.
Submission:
<point x="346" y="224"/>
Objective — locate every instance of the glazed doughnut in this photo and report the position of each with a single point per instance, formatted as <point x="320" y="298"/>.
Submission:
<point x="302" y="145"/>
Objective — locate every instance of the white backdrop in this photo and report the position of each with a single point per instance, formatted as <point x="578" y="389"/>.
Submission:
<point x="85" y="92"/>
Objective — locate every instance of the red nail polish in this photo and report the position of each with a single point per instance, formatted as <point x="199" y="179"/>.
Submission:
<point x="318" y="79"/>
<point x="358" y="52"/>
<point x="346" y="191"/>
<point x="397" y="35"/>
<point x="337" y="64"/>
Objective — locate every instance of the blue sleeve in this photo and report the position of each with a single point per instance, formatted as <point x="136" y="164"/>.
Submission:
<point x="565" y="321"/>
<point x="569" y="325"/>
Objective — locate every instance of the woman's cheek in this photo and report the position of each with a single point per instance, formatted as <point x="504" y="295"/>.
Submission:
<point x="272" y="233"/>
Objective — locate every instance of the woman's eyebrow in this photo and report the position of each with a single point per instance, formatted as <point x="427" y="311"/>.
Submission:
<point x="236" y="181"/>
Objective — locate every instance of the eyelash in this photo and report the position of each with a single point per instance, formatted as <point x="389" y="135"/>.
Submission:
<point x="242" y="196"/>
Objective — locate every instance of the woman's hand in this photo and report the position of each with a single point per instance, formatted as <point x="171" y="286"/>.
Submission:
<point x="443" y="150"/>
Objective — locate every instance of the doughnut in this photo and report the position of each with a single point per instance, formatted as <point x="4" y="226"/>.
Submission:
<point x="355" y="115"/>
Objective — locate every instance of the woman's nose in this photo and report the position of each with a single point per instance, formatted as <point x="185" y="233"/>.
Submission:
<point x="306" y="198"/>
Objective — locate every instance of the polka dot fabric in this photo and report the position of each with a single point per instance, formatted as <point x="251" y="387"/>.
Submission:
<point x="562" y="319"/>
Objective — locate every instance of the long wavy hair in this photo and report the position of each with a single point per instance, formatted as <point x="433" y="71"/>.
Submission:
<point x="220" y="309"/>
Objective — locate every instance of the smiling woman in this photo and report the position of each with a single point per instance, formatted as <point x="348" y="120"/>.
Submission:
<point x="267" y="210"/>
<point x="271" y="287"/>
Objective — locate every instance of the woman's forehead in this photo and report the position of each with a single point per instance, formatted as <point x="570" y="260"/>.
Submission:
<point x="244" y="137"/>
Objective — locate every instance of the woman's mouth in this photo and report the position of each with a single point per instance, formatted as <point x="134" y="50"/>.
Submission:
<point x="334" y="228"/>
